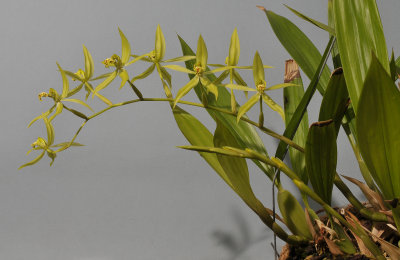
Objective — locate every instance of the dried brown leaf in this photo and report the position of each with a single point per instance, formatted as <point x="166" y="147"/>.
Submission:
<point x="373" y="197"/>
<point x="352" y="220"/>
<point x="333" y="248"/>
<point x="392" y="250"/>
<point x="310" y="225"/>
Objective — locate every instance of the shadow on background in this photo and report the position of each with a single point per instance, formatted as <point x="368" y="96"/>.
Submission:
<point x="238" y="241"/>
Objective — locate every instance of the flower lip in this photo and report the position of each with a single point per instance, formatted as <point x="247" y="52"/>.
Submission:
<point x="198" y="69"/>
<point x="261" y="87"/>
<point x="42" y="95"/>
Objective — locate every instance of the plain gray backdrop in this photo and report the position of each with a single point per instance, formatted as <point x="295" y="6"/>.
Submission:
<point x="130" y="193"/>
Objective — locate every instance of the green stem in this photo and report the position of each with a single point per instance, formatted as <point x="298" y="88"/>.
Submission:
<point x="363" y="167"/>
<point x="372" y="215"/>
<point x="307" y="190"/>
<point x="262" y="128"/>
<point x="312" y="213"/>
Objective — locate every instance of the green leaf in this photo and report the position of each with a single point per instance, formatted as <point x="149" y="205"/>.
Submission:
<point x="292" y="126"/>
<point x="378" y="128"/>
<point x="33" y="161"/>
<point x="236" y="170"/>
<point x="359" y="31"/>
<point x="179" y="68"/>
<point x="181" y="58"/>
<point x="335" y="100"/>
<point x="393" y="67"/>
<point x="198" y="135"/>
<point x="293" y="214"/>
<point x="78" y="102"/>
<point x="89" y="65"/>
<point x="244" y="133"/>
<point x="396" y="216"/>
<point x="344" y="242"/>
<point x="144" y="74"/>
<point x="316" y="23"/>
<point x="160" y="44"/>
<point x="201" y="54"/>
<point x="299" y="46"/>
<point x="331" y="22"/>
<point x="124" y="77"/>
<point x="292" y="97"/>
<point x="126" y="48"/>
<point x="274" y="106"/>
<point x="106" y="82"/>
<point x="65" y="88"/>
<point x="185" y="89"/>
<point x="258" y="70"/>
<point x="321" y="158"/>
<point x="234" y="49"/>
<point x="50" y="131"/>
<point x="282" y="85"/>
<point x="239" y="87"/>
<point x="247" y="106"/>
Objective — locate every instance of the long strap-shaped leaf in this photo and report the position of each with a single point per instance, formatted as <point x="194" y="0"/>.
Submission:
<point x="299" y="46"/>
<point x="197" y="134"/>
<point x="244" y="133"/>
<point x="232" y="170"/>
<point x="335" y="100"/>
<point x="292" y="97"/>
<point x="321" y="158"/>
<point x="378" y="128"/>
<point x="359" y="31"/>
<point x="291" y="128"/>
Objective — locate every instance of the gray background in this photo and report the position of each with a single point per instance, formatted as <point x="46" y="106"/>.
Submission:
<point x="129" y="193"/>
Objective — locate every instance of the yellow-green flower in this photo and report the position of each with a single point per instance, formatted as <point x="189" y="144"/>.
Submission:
<point x="119" y="62"/>
<point x="47" y="146"/>
<point x="232" y="61"/>
<point x="84" y="76"/>
<point x="59" y="99"/>
<point x="156" y="57"/>
<point x="199" y="71"/>
<point x="261" y="88"/>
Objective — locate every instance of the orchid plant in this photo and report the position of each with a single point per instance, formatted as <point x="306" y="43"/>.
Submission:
<point x="360" y="96"/>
